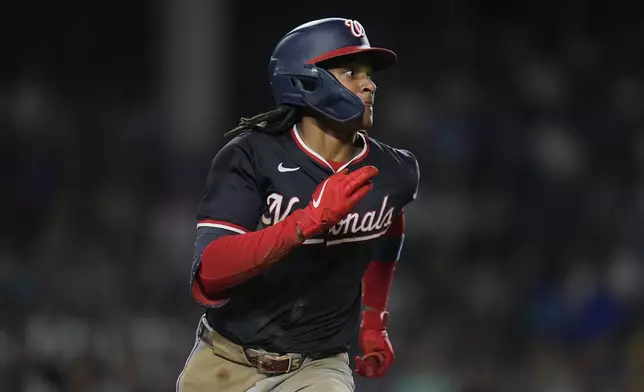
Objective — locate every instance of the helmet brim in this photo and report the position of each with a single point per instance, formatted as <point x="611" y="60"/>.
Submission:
<point x="379" y="58"/>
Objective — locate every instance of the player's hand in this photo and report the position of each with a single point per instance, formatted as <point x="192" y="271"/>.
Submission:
<point x="333" y="199"/>
<point x="375" y="344"/>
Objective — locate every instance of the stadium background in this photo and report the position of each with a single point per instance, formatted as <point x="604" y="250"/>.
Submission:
<point x="522" y="268"/>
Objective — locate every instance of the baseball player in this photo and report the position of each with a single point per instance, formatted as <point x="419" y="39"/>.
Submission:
<point x="301" y="226"/>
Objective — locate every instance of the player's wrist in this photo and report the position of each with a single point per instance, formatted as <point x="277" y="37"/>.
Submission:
<point x="306" y="226"/>
<point x="300" y="234"/>
<point x="374" y="319"/>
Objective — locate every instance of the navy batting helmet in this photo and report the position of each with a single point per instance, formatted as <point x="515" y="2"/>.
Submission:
<point x="296" y="80"/>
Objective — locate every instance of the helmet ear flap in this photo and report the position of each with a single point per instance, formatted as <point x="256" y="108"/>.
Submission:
<point x="334" y="101"/>
<point x="305" y="85"/>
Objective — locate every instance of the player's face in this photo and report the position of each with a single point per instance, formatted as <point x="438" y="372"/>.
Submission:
<point x="356" y="77"/>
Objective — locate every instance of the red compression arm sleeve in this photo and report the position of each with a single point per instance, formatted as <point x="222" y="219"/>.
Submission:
<point x="379" y="275"/>
<point x="377" y="284"/>
<point x="233" y="259"/>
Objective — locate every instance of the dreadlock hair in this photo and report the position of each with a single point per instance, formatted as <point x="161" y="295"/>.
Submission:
<point x="274" y="121"/>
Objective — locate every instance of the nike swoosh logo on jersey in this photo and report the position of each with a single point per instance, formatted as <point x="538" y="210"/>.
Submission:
<point x="316" y="203"/>
<point x="283" y="169"/>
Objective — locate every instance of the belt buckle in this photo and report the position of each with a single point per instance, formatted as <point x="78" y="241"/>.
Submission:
<point x="261" y="362"/>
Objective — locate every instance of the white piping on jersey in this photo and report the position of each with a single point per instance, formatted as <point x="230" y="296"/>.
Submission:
<point x="400" y="246"/>
<point x="417" y="180"/>
<point x="356" y="239"/>
<point x="318" y="156"/>
<point x="220" y="226"/>
<point x="345" y="240"/>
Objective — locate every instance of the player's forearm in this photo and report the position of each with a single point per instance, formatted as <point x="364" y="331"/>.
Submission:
<point x="378" y="278"/>
<point x="231" y="260"/>
<point x="376" y="283"/>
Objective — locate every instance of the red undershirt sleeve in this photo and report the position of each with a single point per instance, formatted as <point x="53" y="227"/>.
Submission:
<point x="233" y="259"/>
<point x="379" y="274"/>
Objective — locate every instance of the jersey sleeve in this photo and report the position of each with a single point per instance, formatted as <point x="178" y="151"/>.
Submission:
<point x="387" y="247"/>
<point x="232" y="198"/>
<point x="412" y="174"/>
<point x="231" y="205"/>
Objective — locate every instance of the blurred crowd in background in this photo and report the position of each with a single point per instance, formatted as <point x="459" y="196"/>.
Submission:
<point x="522" y="268"/>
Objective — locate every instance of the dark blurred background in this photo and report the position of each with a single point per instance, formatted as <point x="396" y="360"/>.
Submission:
<point x="522" y="269"/>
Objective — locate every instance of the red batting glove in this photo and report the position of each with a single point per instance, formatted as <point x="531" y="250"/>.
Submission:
<point x="333" y="199"/>
<point x="375" y="344"/>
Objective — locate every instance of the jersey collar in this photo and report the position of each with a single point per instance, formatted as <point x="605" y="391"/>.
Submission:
<point x="319" y="159"/>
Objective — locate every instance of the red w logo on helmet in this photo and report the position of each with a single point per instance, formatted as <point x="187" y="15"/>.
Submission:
<point x="356" y="28"/>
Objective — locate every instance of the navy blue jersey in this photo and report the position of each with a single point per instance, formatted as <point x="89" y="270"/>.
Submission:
<point x="310" y="300"/>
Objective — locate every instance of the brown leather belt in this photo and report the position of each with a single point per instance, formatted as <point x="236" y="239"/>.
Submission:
<point x="269" y="363"/>
<point x="265" y="362"/>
